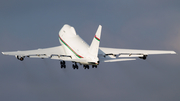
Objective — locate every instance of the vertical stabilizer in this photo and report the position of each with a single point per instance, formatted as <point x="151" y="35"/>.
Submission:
<point x="94" y="47"/>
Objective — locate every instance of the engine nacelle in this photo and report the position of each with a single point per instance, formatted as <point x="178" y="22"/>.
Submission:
<point x="144" y="57"/>
<point x="21" y="58"/>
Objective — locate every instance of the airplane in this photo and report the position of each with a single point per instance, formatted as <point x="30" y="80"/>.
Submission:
<point x="74" y="48"/>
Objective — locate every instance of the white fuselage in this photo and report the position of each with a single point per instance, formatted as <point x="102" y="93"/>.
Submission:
<point x="76" y="47"/>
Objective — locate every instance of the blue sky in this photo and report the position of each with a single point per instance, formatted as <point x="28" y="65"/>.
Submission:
<point x="150" y="24"/>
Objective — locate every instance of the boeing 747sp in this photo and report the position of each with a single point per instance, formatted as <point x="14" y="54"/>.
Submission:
<point x="75" y="49"/>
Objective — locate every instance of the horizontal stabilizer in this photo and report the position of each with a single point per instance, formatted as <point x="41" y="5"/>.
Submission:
<point x="116" y="60"/>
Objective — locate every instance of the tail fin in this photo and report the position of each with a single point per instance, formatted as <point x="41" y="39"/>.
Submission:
<point x="94" y="47"/>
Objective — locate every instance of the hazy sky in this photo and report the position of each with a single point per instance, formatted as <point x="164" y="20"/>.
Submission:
<point x="136" y="24"/>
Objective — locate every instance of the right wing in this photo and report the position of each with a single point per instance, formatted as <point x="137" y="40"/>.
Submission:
<point x="53" y="53"/>
<point x="126" y="54"/>
<point x="116" y="51"/>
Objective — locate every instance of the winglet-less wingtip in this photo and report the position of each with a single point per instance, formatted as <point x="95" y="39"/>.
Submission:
<point x="173" y="52"/>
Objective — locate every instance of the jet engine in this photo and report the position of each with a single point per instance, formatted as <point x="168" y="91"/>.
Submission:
<point x="21" y="58"/>
<point x="144" y="57"/>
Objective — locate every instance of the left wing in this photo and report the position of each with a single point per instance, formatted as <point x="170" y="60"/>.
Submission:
<point x="115" y="53"/>
<point x="53" y="53"/>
